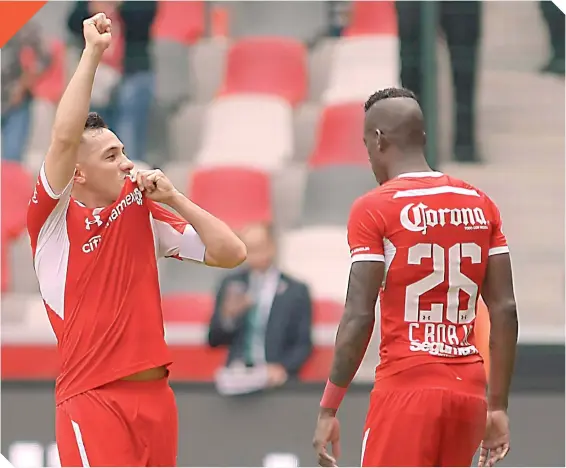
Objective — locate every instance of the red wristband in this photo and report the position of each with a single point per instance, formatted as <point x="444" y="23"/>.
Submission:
<point x="332" y="396"/>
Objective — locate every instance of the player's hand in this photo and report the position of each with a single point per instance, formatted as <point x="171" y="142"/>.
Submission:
<point x="97" y="31"/>
<point x="327" y="432"/>
<point x="495" y="444"/>
<point x="276" y="375"/>
<point x="156" y="185"/>
<point x="236" y="300"/>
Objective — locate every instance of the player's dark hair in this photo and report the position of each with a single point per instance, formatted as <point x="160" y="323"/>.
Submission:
<point x="94" y="122"/>
<point x="388" y="93"/>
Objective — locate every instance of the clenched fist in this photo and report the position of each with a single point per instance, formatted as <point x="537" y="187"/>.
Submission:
<point x="97" y="31"/>
<point x="156" y="185"/>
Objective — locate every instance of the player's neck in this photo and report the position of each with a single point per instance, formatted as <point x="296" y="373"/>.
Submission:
<point x="408" y="164"/>
<point x="88" y="199"/>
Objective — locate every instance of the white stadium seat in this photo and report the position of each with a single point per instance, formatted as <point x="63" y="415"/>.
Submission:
<point x="247" y="130"/>
<point x="361" y="66"/>
<point x="319" y="256"/>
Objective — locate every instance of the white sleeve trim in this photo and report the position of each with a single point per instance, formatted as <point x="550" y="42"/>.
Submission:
<point x="368" y="258"/>
<point x="191" y="246"/>
<point x="498" y="250"/>
<point x="47" y="187"/>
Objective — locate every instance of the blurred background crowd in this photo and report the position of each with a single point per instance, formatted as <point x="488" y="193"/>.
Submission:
<point x="254" y="109"/>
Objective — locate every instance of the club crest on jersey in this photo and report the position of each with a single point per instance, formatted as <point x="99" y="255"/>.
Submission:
<point x="419" y="218"/>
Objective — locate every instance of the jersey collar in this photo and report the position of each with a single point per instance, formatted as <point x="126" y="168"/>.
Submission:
<point x="421" y="174"/>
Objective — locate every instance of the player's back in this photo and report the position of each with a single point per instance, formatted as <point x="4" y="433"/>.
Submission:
<point x="438" y="232"/>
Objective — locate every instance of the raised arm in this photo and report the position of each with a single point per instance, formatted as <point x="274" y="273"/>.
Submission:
<point x="73" y="108"/>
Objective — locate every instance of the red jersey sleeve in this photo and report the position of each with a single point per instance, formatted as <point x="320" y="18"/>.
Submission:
<point x="365" y="232"/>
<point x="498" y="241"/>
<point x="174" y="236"/>
<point x="46" y="209"/>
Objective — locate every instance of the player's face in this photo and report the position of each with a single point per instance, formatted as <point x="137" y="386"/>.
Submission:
<point x="261" y="249"/>
<point x="103" y="166"/>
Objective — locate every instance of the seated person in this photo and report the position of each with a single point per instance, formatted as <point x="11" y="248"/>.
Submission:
<point x="263" y="315"/>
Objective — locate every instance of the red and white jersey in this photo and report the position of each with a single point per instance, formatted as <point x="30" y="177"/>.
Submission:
<point x="97" y="272"/>
<point x="435" y="234"/>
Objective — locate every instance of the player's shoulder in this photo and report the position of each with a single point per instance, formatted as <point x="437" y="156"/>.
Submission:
<point x="460" y="183"/>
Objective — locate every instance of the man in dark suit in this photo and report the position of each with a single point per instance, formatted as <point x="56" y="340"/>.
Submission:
<point x="263" y="315"/>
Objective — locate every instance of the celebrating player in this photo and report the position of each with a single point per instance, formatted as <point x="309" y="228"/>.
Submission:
<point x="431" y="244"/>
<point x="96" y="233"/>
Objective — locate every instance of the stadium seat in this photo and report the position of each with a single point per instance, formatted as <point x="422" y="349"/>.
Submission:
<point x="327" y="312"/>
<point x="187" y="277"/>
<point x="247" y="130"/>
<point x="320" y="257"/>
<point x="188" y="308"/>
<point x="17" y="189"/>
<point x="339" y="137"/>
<point x="207" y="65"/>
<point x="179" y="21"/>
<point x="372" y="18"/>
<point x="361" y="66"/>
<point x="330" y="192"/>
<point x="267" y="65"/>
<point x="23" y="279"/>
<point x="5" y="273"/>
<point x="171" y="63"/>
<point x="238" y="196"/>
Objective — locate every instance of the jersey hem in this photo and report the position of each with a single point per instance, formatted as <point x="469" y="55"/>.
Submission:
<point x="63" y="397"/>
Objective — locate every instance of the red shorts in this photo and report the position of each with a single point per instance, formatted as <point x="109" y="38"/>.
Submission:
<point x="123" y="423"/>
<point x="430" y="415"/>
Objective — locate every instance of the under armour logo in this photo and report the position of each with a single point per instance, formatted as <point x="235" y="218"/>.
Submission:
<point x="96" y="221"/>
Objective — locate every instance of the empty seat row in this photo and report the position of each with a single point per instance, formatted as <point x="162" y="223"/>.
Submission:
<point x="247" y="130"/>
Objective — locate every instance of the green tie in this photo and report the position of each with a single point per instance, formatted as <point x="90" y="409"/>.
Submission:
<point x="251" y="324"/>
<point x="250" y="332"/>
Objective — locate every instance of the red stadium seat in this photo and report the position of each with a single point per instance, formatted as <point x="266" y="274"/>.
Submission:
<point x="16" y="191"/>
<point x="326" y="311"/>
<point x="340" y="136"/>
<point x="373" y="18"/>
<point x="317" y="367"/>
<point x="179" y="21"/>
<point x="236" y="195"/>
<point x="187" y="308"/>
<point x="267" y="65"/>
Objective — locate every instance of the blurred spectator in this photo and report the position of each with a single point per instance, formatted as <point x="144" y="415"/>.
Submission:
<point x="129" y="102"/>
<point x="17" y="81"/>
<point x="338" y="17"/>
<point x="262" y="314"/>
<point x="461" y="24"/>
<point x="554" y="19"/>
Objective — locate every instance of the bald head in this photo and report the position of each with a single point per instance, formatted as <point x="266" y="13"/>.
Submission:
<point x="398" y="115"/>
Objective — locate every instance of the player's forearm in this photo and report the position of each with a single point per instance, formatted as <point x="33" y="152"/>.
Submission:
<point x="502" y="344"/>
<point x="352" y="340"/>
<point x="73" y="108"/>
<point x="223" y="247"/>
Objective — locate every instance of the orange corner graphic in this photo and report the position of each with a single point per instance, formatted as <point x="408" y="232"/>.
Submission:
<point x="13" y="15"/>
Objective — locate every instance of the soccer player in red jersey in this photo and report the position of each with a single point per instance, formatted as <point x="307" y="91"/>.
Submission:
<point x="428" y="244"/>
<point x="97" y="231"/>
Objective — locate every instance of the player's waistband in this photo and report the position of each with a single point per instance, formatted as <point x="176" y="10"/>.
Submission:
<point x="466" y="378"/>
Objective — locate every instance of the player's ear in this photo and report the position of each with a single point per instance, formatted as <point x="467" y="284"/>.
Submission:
<point x="380" y="140"/>
<point x="79" y="176"/>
